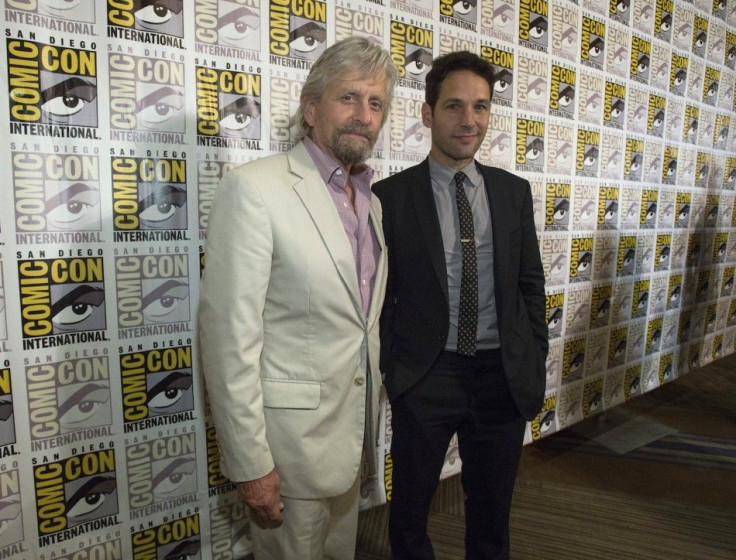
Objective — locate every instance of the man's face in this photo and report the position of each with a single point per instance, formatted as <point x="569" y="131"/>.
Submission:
<point x="459" y="119"/>
<point x="347" y="118"/>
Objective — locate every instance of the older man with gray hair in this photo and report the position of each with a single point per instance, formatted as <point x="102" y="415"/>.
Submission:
<point x="290" y="299"/>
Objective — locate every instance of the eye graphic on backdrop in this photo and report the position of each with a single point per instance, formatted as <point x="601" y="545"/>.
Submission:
<point x="307" y="38"/>
<point x="636" y="161"/>
<point x="680" y="77"/>
<point x="464" y="7"/>
<point x="167" y="303"/>
<point x="558" y="267"/>
<point x="538" y="27"/>
<point x="591" y="156"/>
<point x="160" y="109"/>
<point x="622" y="6"/>
<point x="561" y="210"/>
<point x="586" y="212"/>
<point x="547" y="421"/>
<point x="185" y="550"/>
<point x="603" y="309"/>
<point x="176" y="478"/>
<point x="236" y="26"/>
<point x="564" y="152"/>
<point x="10" y="518"/>
<point x="61" y="101"/>
<point x="658" y="119"/>
<point x="171" y="394"/>
<point x="94" y="499"/>
<point x="537" y="88"/>
<point x="75" y="208"/>
<point x="567" y="95"/>
<point x="596" y="47"/>
<point x="419" y="63"/>
<point x="72" y="310"/>
<point x="643" y="64"/>
<point x="712" y="89"/>
<point x="683" y="32"/>
<point x="500" y="144"/>
<point x="156" y="14"/>
<point x="629" y="256"/>
<point x="585" y="261"/>
<point x="415" y="136"/>
<point x="700" y="39"/>
<point x="617" y="108"/>
<point x="238" y="117"/>
<point x="593" y="101"/>
<point x="158" y="209"/>
<point x="611" y="211"/>
<point x="535" y="149"/>
<point x="85" y="407"/>
<point x="503" y="16"/>
<point x="502" y="80"/>
<point x="555" y="320"/>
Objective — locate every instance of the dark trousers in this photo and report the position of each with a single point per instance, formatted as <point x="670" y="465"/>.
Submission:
<point x="468" y="396"/>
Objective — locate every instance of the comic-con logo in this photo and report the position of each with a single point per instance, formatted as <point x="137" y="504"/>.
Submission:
<point x="533" y="24"/>
<point x="284" y="102"/>
<point x="179" y="538"/>
<point x="700" y="35"/>
<point x="619" y="10"/>
<point x="152" y="292"/>
<point x="592" y="397"/>
<point x="57" y="197"/>
<point x="614" y="104"/>
<point x="228" y="108"/>
<point x="617" y="346"/>
<point x="641" y="58"/>
<point x="209" y="174"/>
<point x="608" y="207"/>
<point x="297" y="30"/>
<point x="678" y="73"/>
<point x="146" y="98"/>
<point x="663" y="13"/>
<point x="633" y="159"/>
<point x="52" y="89"/>
<point x="360" y="22"/>
<point x="532" y="83"/>
<point x="562" y="92"/>
<point x="411" y="52"/>
<point x="674" y="292"/>
<point x="228" y="28"/>
<point x="11" y="532"/>
<point x="573" y="359"/>
<point x="149" y="198"/>
<point x="544" y="423"/>
<point x="710" y="85"/>
<point x="80" y="11"/>
<point x="588" y="153"/>
<point x="729" y="56"/>
<point x="75" y="495"/>
<point x="662" y="252"/>
<point x="3" y="322"/>
<point x="702" y="170"/>
<point x="720" y="132"/>
<point x="656" y="115"/>
<point x="592" y="42"/>
<point x="463" y="13"/>
<point x="626" y="260"/>
<point x="557" y="206"/>
<point x="230" y="531"/>
<point x="554" y="258"/>
<point x="648" y="209"/>
<point x="216" y="481"/>
<point x="161" y="473"/>
<point x="502" y="61"/>
<point x="669" y="167"/>
<point x="529" y="145"/>
<point x="409" y="138"/>
<point x="682" y="209"/>
<point x="581" y="259"/>
<point x="7" y="418"/>
<point x="68" y="400"/>
<point x="497" y="18"/>
<point x="600" y="305"/>
<point x="146" y="21"/>
<point x="640" y="299"/>
<point x="555" y="309"/>
<point x="157" y="386"/>
<point x="64" y="297"/>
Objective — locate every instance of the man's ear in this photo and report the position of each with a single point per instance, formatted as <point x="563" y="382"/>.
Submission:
<point x="427" y="115"/>
<point x="308" y="109"/>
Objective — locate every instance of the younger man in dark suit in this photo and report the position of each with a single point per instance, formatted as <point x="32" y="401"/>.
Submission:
<point x="463" y="330"/>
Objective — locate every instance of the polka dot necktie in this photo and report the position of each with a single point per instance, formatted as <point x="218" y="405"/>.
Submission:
<point x="468" y="313"/>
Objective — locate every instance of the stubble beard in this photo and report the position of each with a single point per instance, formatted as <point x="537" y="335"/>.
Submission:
<point x="351" y="151"/>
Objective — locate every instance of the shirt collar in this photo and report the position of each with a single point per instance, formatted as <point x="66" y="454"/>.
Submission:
<point x="329" y="166"/>
<point x="446" y="176"/>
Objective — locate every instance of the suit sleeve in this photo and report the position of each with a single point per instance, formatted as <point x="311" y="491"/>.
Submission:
<point x="232" y="299"/>
<point x="531" y="274"/>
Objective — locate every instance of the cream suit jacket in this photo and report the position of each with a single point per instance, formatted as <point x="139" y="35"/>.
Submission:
<point x="289" y="358"/>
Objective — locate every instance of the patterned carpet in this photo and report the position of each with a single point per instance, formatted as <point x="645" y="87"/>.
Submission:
<point x="672" y="498"/>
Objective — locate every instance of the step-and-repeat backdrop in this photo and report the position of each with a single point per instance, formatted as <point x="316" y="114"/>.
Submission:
<point x="119" y="118"/>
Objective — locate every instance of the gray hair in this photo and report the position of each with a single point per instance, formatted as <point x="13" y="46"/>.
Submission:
<point x="348" y="55"/>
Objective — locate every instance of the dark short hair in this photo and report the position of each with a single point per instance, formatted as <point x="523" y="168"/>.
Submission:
<point x="452" y="62"/>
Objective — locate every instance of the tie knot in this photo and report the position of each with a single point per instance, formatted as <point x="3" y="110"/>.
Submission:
<point x="459" y="178"/>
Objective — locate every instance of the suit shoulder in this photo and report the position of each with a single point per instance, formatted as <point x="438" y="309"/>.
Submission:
<point x="396" y="182"/>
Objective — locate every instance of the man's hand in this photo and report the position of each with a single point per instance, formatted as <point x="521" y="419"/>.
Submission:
<point x="263" y="497"/>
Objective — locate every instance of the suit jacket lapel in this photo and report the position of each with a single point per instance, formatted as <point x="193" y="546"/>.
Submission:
<point x="375" y="222"/>
<point x="429" y="223"/>
<point x="313" y="193"/>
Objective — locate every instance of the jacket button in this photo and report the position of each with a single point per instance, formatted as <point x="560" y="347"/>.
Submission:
<point x="358" y="381"/>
